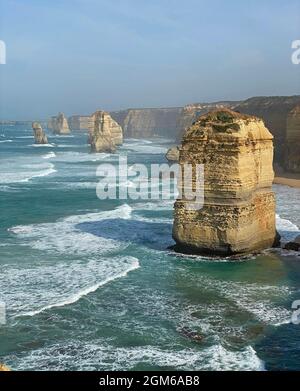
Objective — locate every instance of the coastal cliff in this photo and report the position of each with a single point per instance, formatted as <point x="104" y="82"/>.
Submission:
<point x="59" y="124"/>
<point x="238" y="215"/>
<point x="292" y="158"/>
<point x="104" y="133"/>
<point x="79" y="122"/>
<point x="273" y="110"/>
<point x="143" y="123"/>
<point x="39" y="135"/>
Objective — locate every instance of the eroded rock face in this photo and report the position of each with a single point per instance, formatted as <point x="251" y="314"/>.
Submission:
<point x="60" y="125"/>
<point x="39" y="135"/>
<point x="292" y="159"/>
<point x="173" y="154"/>
<point x="272" y="109"/>
<point x="139" y="123"/>
<point x="238" y="215"/>
<point x="104" y="133"/>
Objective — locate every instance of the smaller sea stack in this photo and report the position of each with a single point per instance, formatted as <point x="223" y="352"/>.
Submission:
<point x="60" y="125"/>
<point x="39" y="135"/>
<point x="104" y="133"/>
<point x="173" y="154"/>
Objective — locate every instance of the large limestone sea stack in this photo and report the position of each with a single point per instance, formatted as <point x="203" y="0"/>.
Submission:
<point x="39" y="135"/>
<point x="292" y="158"/>
<point x="238" y="215"/>
<point x="104" y="133"/>
<point x="60" y="124"/>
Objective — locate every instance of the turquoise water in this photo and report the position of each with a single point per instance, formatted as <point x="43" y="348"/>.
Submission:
<point x="90" y="284"/>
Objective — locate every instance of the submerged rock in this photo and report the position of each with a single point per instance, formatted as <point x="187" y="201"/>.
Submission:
<point x="188" y="333"/>
<point x="59" y="124"/>
<point x="292" y="158"/>
<point x="294" y="245"/>
<point x="39" y="135"/>
<point x="104" y="133"/>
<point x="238" y="215"/>
<point x="173" y="154"/>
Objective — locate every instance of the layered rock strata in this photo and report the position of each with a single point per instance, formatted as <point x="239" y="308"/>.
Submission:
<point x="292" y="158"/>
<point x="238" y="215"/>
<point x="39" y="135"/>
<point x="79" y="122"/>
<point x="273" y="110"/>
<point x="104" y="133"/>
<point x="139" y="123"/>
<point x="59" y="124"/>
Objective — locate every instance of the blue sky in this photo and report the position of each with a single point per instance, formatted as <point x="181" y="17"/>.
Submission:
<point x="79" y="55"/>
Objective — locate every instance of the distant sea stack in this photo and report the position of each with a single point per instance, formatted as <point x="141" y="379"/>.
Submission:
<point x="292" y="160"/>
<point x="39" y="135"/>
<point x="173" y="154"/>
<point x="143" y="123"/>
<point x="238" y="215"/>
<point x="59" y="124"/>
<point x="104" y="133"/>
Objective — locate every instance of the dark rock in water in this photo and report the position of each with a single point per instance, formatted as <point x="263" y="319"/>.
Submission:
<point x="59" y="124"/>
<point x="188" y="333"/>
<point x="293" y="245"/>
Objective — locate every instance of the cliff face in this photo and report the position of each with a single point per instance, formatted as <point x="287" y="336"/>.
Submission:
<point x="104" y="133"/>
<point x="59" y="124"/>
<point x="273" y="110"/>
<point x="39" y="135"/>
<point x="238" y="215"/>
<point x="79" y="122"/>
<point x="139" y="123"/>
<point x="292" y="158"/>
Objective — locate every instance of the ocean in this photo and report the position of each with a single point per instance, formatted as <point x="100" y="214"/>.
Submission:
<point x="90" y="284"/>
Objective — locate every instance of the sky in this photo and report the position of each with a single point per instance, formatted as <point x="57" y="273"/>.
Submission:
<point x="77" y="56"/>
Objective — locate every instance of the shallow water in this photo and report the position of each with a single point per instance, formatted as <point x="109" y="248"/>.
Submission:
<point x="90" y="284"/>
